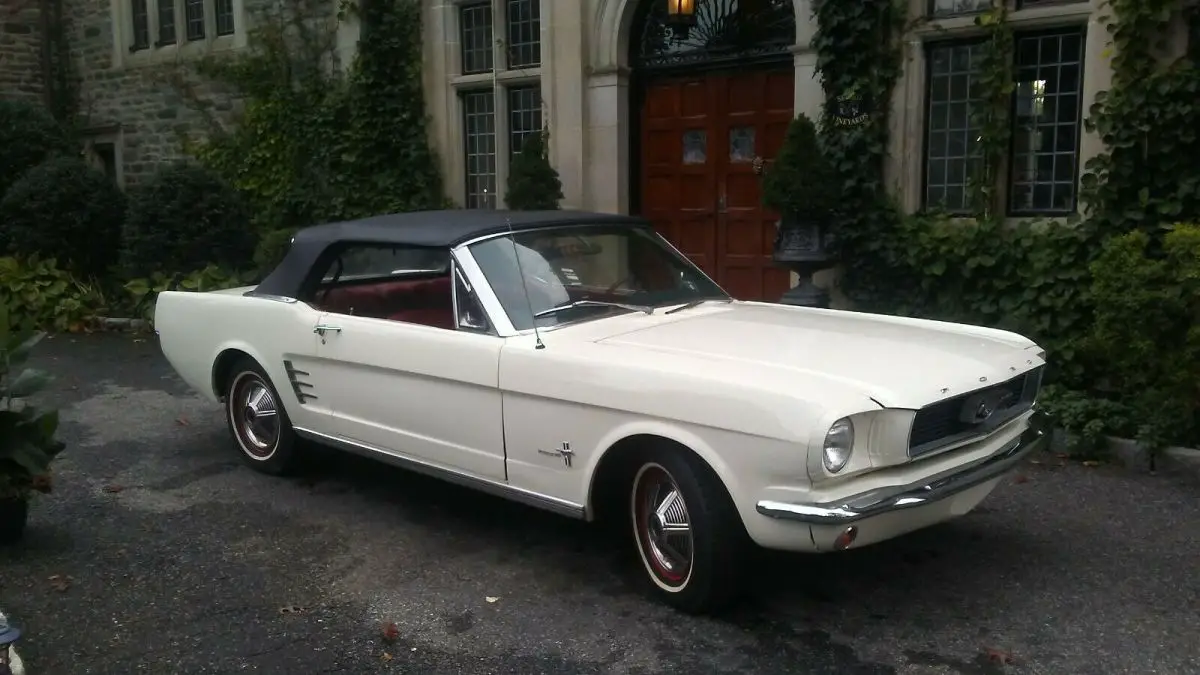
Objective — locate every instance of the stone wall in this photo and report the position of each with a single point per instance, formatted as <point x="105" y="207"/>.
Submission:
<point x="137" y="106"/>
<point x="20" y="50"/>
<point x="133" y="103"/>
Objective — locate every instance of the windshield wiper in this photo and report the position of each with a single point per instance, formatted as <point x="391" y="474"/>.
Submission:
<point x="694" y="303"/>
<point x="593" y="303"/>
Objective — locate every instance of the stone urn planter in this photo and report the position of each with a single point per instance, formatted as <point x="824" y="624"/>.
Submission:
<point x="804" y="189"/>
<point x="803" y="247"/>
<point x="14" y="513"/>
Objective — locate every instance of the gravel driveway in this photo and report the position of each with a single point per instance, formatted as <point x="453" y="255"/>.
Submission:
<point x="160" y="553"/>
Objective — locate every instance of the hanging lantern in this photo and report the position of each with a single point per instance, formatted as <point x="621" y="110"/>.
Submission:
<point x="681" y="14"/>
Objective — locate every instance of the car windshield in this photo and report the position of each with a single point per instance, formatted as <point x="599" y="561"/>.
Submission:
<point x="576" y="273"/>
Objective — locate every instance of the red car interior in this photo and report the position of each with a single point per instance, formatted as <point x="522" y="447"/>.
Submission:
<point x="424" y="301"/>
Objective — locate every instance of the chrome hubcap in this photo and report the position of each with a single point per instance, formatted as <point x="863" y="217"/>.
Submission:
<point x="664" y="528"/>
<point x="256" y="418"/>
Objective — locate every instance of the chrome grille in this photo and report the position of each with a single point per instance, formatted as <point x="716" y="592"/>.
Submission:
<point x="961" y="417"/>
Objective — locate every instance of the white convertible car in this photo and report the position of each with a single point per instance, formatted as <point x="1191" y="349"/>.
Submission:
<point x="579" y="363"/>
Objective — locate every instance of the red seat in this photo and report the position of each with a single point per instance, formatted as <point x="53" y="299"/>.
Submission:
<point x="423" y="301"/>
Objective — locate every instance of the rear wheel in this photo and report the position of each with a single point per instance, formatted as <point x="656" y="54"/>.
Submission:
<point x="257" y="421"/>
<point x="688" y="534"/>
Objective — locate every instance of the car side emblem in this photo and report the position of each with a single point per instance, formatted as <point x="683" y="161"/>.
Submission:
<point x="564" y="452"/>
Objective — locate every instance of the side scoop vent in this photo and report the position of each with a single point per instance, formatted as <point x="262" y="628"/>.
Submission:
<point x="300" y="384"/>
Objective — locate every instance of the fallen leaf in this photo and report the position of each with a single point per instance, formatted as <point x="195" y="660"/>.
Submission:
<point x="998" y="656"/>
<point x="1035" y="461"/>
<point x="385" y="657"/>
<point x="182" y="421"/>
<point x="390" y="632"/>
<point x="1021" y="479"/>
<point x="113" y="489"/>
<point x="491" y="598"/>
<point x="1091" y="462"/>
<point x="60" y="582"/>
<point x="292" y="609"/>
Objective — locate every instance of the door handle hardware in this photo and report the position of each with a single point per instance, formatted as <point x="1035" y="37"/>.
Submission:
<point x="321" y="328"/>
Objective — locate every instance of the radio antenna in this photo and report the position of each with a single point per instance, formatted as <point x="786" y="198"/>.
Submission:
<point x="524" y="286"/>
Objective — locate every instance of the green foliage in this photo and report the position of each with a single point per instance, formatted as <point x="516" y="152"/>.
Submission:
<point x="316" y="144"/>
<point x="143" y="291"/>
<point x="1147" y="332"/>
<point x="28" y="135"/>
<point x="183" y="218"/>
<point x="801" y="182"/>
<point x="64" y="209"/>
<point x="28" y="442"/>
<point x="995" y="84"/>
<point x="1149" y="120"/>
<point x="1120" y="332"/>
<point x="36" y="294"/>
<point x="533" y="184"/>
<point x="272" y="247"/>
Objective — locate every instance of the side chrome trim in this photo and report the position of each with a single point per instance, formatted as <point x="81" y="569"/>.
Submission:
<point x="888" y="500"/>
<point x="268" y="296"/>
<point x="528" y="497"/>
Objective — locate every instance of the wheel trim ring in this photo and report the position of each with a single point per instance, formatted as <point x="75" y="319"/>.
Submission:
<point x="671" y="575"/>
<point x="249" y="392"/>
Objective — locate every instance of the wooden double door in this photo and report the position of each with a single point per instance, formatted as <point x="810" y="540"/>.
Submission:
<point x="700" y="136"/>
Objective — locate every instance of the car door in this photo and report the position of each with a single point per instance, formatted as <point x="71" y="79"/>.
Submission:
<point x="417" y="391"/>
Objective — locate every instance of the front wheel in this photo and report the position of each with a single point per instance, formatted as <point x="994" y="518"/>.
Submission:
<point x="257" y="421"/>
<point x="687" y="531"/>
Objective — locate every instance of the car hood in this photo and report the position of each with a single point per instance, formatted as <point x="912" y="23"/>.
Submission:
<point x="898" y="362"/>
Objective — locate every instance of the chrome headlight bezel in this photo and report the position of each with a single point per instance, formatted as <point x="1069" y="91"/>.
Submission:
<point x="838" y="445"/>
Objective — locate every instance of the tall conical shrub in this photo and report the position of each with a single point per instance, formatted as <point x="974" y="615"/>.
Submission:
<point x="533" y="184"/>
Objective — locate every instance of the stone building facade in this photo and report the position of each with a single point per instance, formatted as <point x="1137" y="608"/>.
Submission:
<point x="651" y="118"/>
<point x="646" y="116"/>
<point x="21" y="57"/>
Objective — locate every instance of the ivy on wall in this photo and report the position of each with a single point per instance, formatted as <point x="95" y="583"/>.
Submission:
<point x="316" y="143"/>
<point x="1038" y="277"/>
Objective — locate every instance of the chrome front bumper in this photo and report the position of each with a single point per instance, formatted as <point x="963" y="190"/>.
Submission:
<point x="886" y="500"/>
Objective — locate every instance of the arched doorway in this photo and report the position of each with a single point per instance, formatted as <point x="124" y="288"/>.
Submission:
<point x="708" y="99"/>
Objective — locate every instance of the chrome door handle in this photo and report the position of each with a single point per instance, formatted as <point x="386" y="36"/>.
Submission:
<point x="322" y="327"/>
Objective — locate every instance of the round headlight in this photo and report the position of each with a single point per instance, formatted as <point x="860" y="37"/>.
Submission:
<point x="838" y="444"/>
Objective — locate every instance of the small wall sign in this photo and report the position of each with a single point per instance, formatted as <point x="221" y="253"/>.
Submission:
<point x="850" y="109"/>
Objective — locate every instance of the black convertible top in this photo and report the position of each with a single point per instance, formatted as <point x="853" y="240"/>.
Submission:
<point x="434" y="229"/>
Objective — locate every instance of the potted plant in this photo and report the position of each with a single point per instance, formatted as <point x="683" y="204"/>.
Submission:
<point x="803" y="188"/>
<point x="28" y="442"/>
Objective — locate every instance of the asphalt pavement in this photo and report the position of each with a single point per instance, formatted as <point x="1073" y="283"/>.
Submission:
<point x="159" y="552"/>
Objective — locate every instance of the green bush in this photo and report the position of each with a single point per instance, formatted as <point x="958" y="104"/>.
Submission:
<point x="1147" y="333"/>
<point x="272" y="246"/>
<point x="801" y="183"/>
<point x="37" y="294"/>
<point x="29" y="443"/>
<point x="64" y="209"/>
<point x="28" y="135"/>
<point x="183" y="218"/>
<point x="533" y="184"/>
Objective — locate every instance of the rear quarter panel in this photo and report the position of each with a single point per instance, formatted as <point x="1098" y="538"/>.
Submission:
<point x="194" y="329"/>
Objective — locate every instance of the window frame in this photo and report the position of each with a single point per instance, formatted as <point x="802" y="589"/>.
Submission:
<point x="1009" y="167"/>
<point x="467" y="113"/>
<point x="928" y="47"/>
<point x="159" y="46"/>
<point x="502" y="80"/>
<point x="1004" y="184"/>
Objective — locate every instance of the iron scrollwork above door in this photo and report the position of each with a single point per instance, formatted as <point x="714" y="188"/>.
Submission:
<point x="722" y="31"/>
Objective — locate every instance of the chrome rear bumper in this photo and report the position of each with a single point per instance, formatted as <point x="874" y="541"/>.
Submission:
<point x="886" y="500"/>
